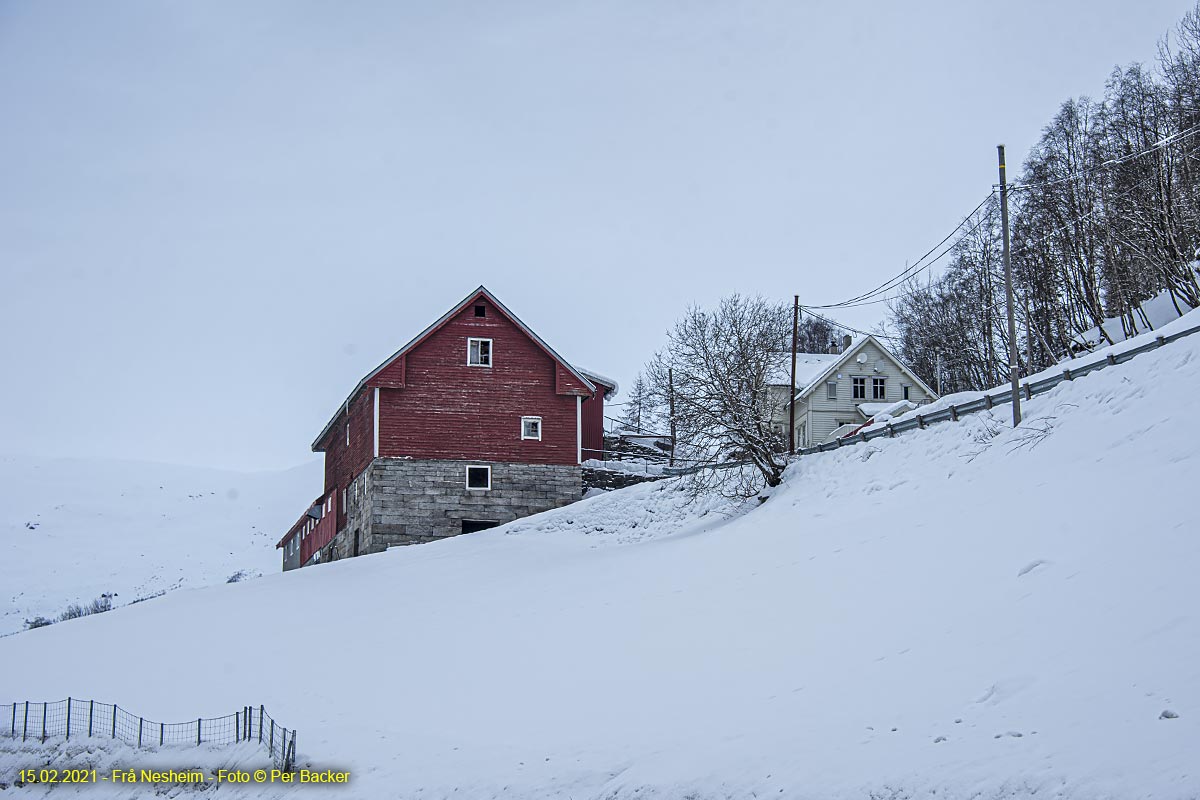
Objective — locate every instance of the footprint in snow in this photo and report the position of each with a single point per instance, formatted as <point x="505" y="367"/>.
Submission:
<point x="1031" y="566"/>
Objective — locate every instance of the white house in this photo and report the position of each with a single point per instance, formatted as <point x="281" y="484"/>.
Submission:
<point x="846" y="388"/>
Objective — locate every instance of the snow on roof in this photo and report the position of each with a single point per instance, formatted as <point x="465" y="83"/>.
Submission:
<point x="869" y="410"/>
<point x="809" y="367"/>
<point x="596" y="377"/>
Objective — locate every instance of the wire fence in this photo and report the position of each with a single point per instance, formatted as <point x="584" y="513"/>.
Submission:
<point x="953" y="412"/>
<point x="86" y="718"/>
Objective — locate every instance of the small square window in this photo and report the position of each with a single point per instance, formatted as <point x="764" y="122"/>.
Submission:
<point x="480" y="311"/>
<point x="859" y="386"/>
<point x="831" y="390"/>
<point x="878" y="388"/>
<point x="479" y="352"/>
<point x="531" y="428"/>
<point x="479" y="477"/>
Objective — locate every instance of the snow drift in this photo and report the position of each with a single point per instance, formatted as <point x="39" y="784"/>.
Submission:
<point x="969" y="611"/>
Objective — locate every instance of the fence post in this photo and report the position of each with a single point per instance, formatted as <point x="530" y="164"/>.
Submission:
<point x="271" y="743"/>
<point x="237" y="726"/>
<point x="25" y="724"/>
<point x="114" y="721"/>
<point x="198" y="731"/>
<point x="161" y="738"/>
<point x="261" y="709"/>
<point x="91" y="710"/>
<point x="14" y="720"/>
<point x="140" y="721"/>
<point x="291" y="756"/>
<point x="68" y="719"/>
<point x="43" y="721"/>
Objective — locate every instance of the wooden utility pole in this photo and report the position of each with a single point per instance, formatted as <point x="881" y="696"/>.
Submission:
<point x="1008" y="290"/>
<point x="792" y="393"/>
<point x="671" y="403"/>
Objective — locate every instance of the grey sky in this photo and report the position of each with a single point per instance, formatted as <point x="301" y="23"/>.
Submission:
<point x="216" y="217"/>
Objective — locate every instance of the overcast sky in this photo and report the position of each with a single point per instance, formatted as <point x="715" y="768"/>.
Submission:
<point x="216" y="217"/>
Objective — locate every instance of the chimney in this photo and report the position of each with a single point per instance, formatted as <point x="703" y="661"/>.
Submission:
<point x="846" y="340"/>
<point x="833" y="348"/>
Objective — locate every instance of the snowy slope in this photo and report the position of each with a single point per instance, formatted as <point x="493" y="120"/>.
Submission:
<point x="962" y="612"/>
<point x="71" y="530"/>
<point x="1158" y="311"/>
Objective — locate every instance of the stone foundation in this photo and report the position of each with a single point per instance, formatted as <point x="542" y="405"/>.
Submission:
<point x="397" y="501"/>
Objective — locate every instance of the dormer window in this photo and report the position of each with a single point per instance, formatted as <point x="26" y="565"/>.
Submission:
<point x="479" y="352"/>
<point x="531" y="428"/>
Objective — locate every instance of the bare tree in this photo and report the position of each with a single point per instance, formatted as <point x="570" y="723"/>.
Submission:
<point x="639" y="408"/>
<point x="719" y="365"/>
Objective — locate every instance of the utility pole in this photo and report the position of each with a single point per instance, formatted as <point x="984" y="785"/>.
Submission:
<point x="939" y="373"/>
<point x="1008" y="290"/>
<point x="671" y="401"/>
<point x="792" y="393"/>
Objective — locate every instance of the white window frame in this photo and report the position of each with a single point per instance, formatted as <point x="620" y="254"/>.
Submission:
<point x="854" y="384"/>
<point x="491" y="351"/>
<point x="831" y="390"/>
<point x="538" y="420"/>
<point x="880" y="384"/>
<point x="467" y="478"/>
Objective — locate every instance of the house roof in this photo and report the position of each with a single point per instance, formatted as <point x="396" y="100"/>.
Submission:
<point x="610" y="386"/>
<point x="808" y="367"/>
<point x="828" y="364"/>
<point x="482" y="291"/>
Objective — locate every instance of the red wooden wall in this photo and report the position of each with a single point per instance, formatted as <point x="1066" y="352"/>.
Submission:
<point x="449" y="410"/>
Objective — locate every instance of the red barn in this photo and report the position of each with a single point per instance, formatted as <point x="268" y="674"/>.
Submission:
<point x="475" y="422"/>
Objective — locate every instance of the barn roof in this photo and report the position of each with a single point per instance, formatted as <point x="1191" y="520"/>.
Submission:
<point x="482" y="291"/>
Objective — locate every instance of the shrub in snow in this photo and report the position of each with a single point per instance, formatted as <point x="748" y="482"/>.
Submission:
<point x="98" y="606"/>
<point x="37" y="622"/>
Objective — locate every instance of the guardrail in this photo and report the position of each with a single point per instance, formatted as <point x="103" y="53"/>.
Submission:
<point x="916" y="420"/>
<point x="78" y="718"/>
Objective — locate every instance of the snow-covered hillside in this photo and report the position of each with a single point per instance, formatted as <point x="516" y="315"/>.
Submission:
<point x="968" y="611"/>
<point x="71" y="530"/>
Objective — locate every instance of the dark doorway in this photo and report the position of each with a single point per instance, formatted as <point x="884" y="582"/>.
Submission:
<point x="356" y="543"/>
<point x="474" y="525"/>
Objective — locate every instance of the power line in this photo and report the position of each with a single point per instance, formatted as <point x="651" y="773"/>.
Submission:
<point x="912" y="269"/>
<point x="1113" y="162"/>
<point x="837" y="324"/>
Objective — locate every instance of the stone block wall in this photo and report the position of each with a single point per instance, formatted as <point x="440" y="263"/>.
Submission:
<point x="398" y="501"/>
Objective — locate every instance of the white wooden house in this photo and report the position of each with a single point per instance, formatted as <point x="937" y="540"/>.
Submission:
<point x="845" y="388"/>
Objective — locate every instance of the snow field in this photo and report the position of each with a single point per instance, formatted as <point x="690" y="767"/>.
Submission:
<point x="968" y="611"/>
